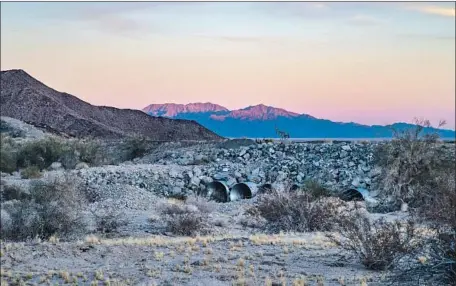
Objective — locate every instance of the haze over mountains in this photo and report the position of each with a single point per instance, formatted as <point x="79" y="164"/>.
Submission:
<point x="25" y="98"/>
<point x="259" y="121"/>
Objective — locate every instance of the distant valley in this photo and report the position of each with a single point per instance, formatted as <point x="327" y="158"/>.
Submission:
<point x="261" y="121"/>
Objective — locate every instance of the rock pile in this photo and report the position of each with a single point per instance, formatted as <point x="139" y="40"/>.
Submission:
<point x="338" y="165"/>
<point x="186" y="170"/>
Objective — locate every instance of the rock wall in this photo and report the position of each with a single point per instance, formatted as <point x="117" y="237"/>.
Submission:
<point x="184" y="170"/>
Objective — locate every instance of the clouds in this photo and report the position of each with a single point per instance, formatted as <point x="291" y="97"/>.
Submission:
<point x="441" y="11"/>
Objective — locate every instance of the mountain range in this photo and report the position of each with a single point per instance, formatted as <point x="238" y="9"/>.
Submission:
<point x="27" y="99"/>
<point x="261" y="121"/>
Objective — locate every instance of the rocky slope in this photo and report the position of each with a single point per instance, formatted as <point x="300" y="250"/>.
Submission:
<point x="25" y="98"/>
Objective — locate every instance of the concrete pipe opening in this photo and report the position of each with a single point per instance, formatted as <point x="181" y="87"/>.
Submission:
<point x="243" y="191"/>
<point x="217" y="191"/>
<point x="352" y="195"/>
<point x="265" y="188"/>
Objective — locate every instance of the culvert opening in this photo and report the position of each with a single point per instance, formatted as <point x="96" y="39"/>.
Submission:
<point x="352" y="195"/>
<point x="217" y="191"/>
<point x="242" y="191"/>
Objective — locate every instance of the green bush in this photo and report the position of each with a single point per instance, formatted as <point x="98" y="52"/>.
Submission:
<point x="135" y="147"/>
<point x="41" y="153"/>
<point x="8" y="155"/>
<point x="31" y="172"/>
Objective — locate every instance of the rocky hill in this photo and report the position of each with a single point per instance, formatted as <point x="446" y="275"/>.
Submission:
<point x="25" y="98"/>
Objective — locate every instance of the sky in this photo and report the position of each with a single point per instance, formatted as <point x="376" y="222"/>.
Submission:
<point x="365" y="62"/>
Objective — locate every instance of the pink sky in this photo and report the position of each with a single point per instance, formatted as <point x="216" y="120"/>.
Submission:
<point x="368" y="64"/>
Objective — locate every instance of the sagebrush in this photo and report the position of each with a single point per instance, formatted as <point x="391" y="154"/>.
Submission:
<point x="51" y="207"/>
<point x="438" y="264"/>
<point x="108" y="220"/>
<point x="410" y="162"/>
<point x="43" y="152"/>
<point x="187" y="218"/>
<point x="377" y="244"/>
<point x="296" y="211"/>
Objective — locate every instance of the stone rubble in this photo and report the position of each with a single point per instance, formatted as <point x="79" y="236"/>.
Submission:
<point x="183" y="171"/>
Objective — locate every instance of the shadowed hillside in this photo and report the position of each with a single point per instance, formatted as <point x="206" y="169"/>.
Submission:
<point x="27" y="99"/>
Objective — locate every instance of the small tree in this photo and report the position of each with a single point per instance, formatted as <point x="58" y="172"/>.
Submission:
<point x="409" y="161"/>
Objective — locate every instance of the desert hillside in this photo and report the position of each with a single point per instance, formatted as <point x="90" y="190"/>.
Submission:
<point x="25" y="98"/>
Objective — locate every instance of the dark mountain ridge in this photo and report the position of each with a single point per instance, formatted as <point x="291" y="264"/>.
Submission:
<point x="27" y="99"/>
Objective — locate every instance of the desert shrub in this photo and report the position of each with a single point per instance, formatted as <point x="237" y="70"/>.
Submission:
<point x="440" y="202"/>
<point x="433" y="264"/>
<point x="203" y="205"/>
<point x="90" y="152"/>
<point x="108" y="220"/>
<point x="188" y="218"/>
<point x="6" y="128"/>
<point x="76" y="151"/>
<point x="8" y="154"/>
<point x="135" y="147"/>
<point x="296" y="211"/>
<point x="53" y="207"/>
<point x="417" y="170"/>
<point x="438" y="254"/>
<point x="11" y="192"/>
<point x="377" y="244"/>
<point x="410" y="162"/>
<point x="31" y="172"/>
<point x="316" y="189"/>
<point x="41" y="153"/>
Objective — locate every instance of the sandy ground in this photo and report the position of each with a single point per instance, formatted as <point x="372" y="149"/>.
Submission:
<point x="209" y="260"/>
<point x="140" y="254"/>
